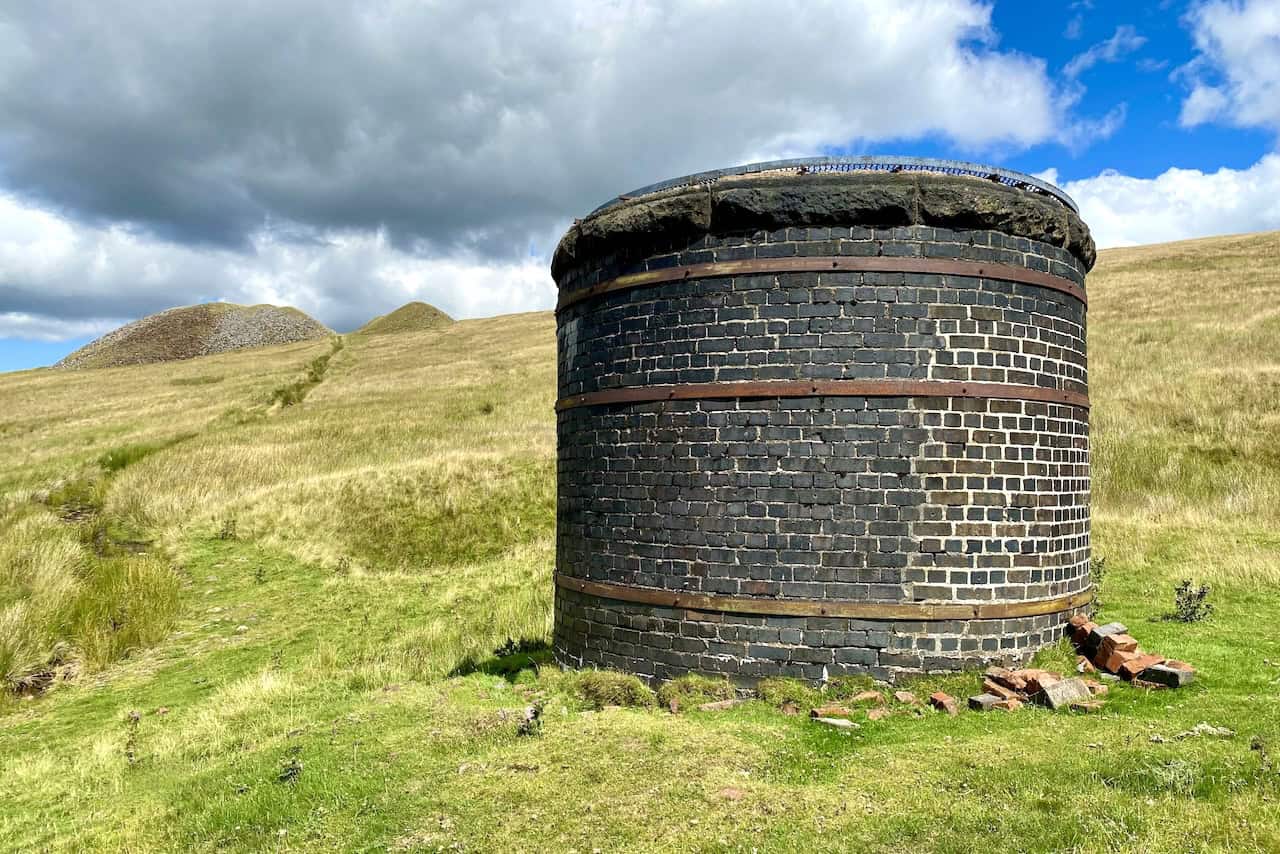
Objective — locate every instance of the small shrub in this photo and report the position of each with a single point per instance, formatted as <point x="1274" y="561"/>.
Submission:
<point x="260" y="574"/>
<point x="693" y="689"/>
<point x="602" y="688"/>
<point x="344" y="566"/>
<point x="1189" y="605"/>
<point x="227" y="530"/>
<point x="531" y="721"/>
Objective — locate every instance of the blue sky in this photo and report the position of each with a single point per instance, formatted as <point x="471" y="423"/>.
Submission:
<point x="346" y="157"/>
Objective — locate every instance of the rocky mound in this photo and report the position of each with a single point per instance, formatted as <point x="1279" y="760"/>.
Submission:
<point x="196" y="330"/>
<point x="410" y="317"/>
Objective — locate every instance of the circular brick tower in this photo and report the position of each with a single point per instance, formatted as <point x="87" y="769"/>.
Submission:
<point x="827" y="415"/>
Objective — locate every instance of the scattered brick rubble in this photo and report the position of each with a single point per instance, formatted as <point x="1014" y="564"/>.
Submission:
<point x="1111" y="649"/>
<point x="1107" y="651"/>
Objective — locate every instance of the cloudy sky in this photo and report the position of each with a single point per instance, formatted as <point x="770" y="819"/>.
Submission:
<point x="346" y="157"/>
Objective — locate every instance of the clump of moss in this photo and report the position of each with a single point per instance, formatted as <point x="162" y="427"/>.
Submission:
<point x="780" y="691"/>
<point x="600" y="688"/>
<point x="693" y="689"/>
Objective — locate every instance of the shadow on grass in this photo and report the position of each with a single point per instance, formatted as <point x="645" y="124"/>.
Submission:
<point x="508" y="660"/>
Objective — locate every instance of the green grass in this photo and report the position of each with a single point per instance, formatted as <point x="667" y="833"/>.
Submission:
<point x="350" y="670"/>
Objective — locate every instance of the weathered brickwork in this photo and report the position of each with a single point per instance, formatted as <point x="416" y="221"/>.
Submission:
<point x="874" y="499"/>
<point x="866" y="499"/>
<point x="839" y="325"/>
<point x="662" y="643"/>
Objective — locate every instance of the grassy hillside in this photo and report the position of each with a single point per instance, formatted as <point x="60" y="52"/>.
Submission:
<point x="350" y="553"/>
<point x="410" y="317"/>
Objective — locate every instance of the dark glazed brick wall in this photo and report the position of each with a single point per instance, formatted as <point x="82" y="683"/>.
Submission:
<point x="840" y="325"/>
<point x="875" y="499"/>
<point x="865" y="499"/>
<point x="662" y="643"/>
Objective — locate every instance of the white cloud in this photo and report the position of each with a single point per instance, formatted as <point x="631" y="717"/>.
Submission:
<point x="344" y="156"/>
<point x="1178" y="204"/>
<point x="66" y="280"/>
<point x="1123" y="42"/>
<point x="1235" y="77"/>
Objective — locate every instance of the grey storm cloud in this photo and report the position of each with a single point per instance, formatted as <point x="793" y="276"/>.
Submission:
<point x="240" y="142"/>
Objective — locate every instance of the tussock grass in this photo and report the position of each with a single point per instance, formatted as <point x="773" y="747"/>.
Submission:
<point x="62" y="608"/>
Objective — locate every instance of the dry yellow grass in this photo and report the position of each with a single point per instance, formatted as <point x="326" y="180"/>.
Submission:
<point x="1184" y="350"/>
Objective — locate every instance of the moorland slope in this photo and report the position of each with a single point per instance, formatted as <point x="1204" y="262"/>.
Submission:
<point x="348" y="594"/>
<point x="410" y="317"/>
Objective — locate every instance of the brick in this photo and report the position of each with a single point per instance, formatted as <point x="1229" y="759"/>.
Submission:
<point x="984" y="702"/>
<point x="1084" y="665"/>
<point x="906" y="697"/>
<point x="944" y="703"/>
<point x="1008" y="678"/>
<point x="1118" y="643"/>
<point x="878" y="714"/>
<point x="1037" y="680"/>
<point x="831" y="711"/>
<point x="1163" y="674"/>
<point x="1134" y="666"/>
<point x="1063" y="693"/>
<point x="1001" y="692"/>
<point x="1012" y="704"/>
<point x="1117" y="659"/>
<point x="1081" y="634"/>
<point x="1094" y="640"/>
<point x="1079" y="620"/>
<point x="1097" y="689"/>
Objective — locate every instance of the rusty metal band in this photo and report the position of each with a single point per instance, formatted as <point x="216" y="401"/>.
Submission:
<point x="924" y="611"/>
<point x="829" y="264"/>
<point x="824" y="388"/>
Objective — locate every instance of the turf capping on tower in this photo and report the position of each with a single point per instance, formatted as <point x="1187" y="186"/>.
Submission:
<point x="820" y="417"/>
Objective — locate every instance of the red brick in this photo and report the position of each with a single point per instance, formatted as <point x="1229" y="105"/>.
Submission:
<point x="1079" y="620"/>
<point x="1037" y="679"/>
<point x="1118" y="659"/>
<point x="1137" y="664"/>
<point x="1081" y="634"/>
<point x="1010" y="705"/>
<point x="944" y="702"/>
<point x="1116" y="643"/>
<point x="873" y="697"/>
<point x="1084" y="665"/>
<point x="905" y="697"/>
<point x="1097" y="689"/>
<point x="831" y="712"/>
<point x="877" y="713"/>
<point x="1007" y="678"/>
<point x="991" y="686"/>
